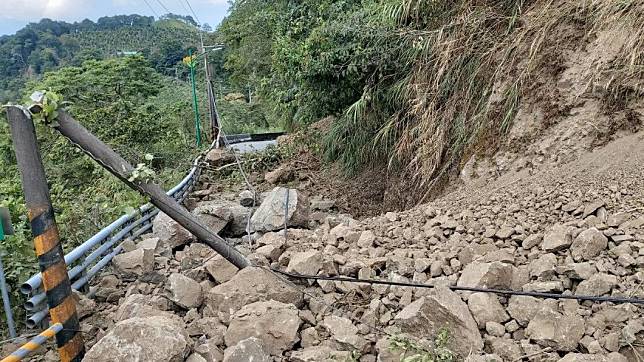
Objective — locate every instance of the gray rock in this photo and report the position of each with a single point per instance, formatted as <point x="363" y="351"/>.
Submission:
<point x="246" y="198"/>
<point x="345" y="333"/>
<point x="169" y="232"/>
<point x="306" y="263"/>
<point x="143" y="339"/>
<point x="580" y="357"/>
<point x="274" y="323"/>
<point x="486" y="275"/>
<point x="588" y="244"/>
<point x="249" y="285"/>
<point x="319" y="354"/>
<point x="507" y="349"/>
<point x="442" y="308"/>
<point x="531" y="241"/>
<point x="214" y="214"/>
<point x="134" y="263"/>
<point x="543" y="268"/>
<point x="209" y="351"/>
<point x="561" y="332"/>
<point x="485" y="307"/>
<point x="592" y="207"/>
<point x="220" y="269"/>
<point x="249" y="349"/>
<point x="598" y="284"/>
<point x="184" y="291"/>
<point x="138" y="306"/>
<point x="367" y="238"/>
<point x="559" y="237"/>
<point x="270" y="214"/>
<point x="523" y="308"/>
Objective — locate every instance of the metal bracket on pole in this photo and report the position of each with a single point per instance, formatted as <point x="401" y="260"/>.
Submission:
<point x="119" y="167"/>
<point x="61" y="303"/>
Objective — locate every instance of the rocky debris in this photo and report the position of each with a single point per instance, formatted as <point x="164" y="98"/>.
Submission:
<point x="559" y="237"/>
<point x="151" y="339"/>
<point x="345" y="333"/>
<point x="282" y="174"/>
<point x="215" y="215"/>
<point x="319" y="353"/>
<point x="184" y="291"/>
<point x="486" y="275"/>
<point x="220" y="269"/>
<point x="139" y="306"/>
<point x="598" y="284"/>
<point x="442" y="308"/>
<point x="274" y="323"/>
<point x="485" y="307"/>
<point x="84" y="305"/>
<point x="219" y="157"/>
<point x="588" y="244"/>
<point x="550" y="328"/>
<point x="134" y="263"/>
<point x="169" y="232"/>
<point x="250" y="285"/>
<point x="306" y="263"/>
<point x="270" y="214"/>
<point x="249" y="349"/>
<point x="247" y="198"/>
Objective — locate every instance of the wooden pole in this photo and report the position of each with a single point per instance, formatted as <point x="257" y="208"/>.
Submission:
<point x="120" y="168"/>
<point x="51" y="258"/>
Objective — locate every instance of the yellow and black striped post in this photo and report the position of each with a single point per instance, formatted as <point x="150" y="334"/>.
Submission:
<point x="51" y="259"/>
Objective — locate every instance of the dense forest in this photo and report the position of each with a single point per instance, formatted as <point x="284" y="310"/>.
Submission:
<point x="48" y="45"/>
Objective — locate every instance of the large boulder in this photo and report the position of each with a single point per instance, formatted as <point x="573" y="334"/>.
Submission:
<point x="559" y="237"/>
<point x="344" y="333"/>
<point x="169" y="232"/>
<point x="133" y="264"/>
<point x="184" y="291"/>
<point x="270" y="214"/>
<point x="219" y="157"/>
<point x="306" y="263"/>
<point x="485" y="307"/>
<point x="220" y="269"/>
<point x="486" y="275"/>
<point x="138" y="306"/>
<point x="274" y="323"/>
<point x="149" y="339"/>
<point x="550" y="328"/>
<point x="523" y="308"/>
<point x="221" y="214"/>
<point x="588" y="244"/>
<point x="250" y="285"/>
<point x="442" y="308"/>
<point x="250" y="349"/>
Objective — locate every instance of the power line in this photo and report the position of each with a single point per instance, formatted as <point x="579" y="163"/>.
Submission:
<point x="193" y="13"/>
<point x="164" y="7"/>
<point x="151" y="8"/>
<point x="183" y="6"/>
<point x="593" y="298"/>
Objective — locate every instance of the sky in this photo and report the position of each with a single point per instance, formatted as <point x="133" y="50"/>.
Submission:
<point x="15" y="14"/>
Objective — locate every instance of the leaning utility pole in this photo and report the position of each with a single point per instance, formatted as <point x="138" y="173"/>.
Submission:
<point x="51" y="258"/>
<point x="119" y="167"/>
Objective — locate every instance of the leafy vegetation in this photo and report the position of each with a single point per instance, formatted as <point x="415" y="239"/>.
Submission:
<point x="417" y="85"/>
<point x="124" y="101"/>
<point x="48" y="45"/>
<point x="415" y="352"/>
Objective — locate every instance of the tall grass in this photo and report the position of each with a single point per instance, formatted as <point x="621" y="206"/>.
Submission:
<point x="466" y="66"/>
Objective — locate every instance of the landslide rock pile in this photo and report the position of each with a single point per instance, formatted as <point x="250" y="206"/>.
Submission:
<point x="577" y="229"/>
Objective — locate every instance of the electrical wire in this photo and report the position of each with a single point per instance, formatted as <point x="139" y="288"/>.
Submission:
<point x="193" y="13"/>
<point x="164" y="7"/>
<point x="151" y="8"/>
<point x="593" y="298"/>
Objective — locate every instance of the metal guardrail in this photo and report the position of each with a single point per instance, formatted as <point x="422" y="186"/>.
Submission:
<point x="89" y="258"/>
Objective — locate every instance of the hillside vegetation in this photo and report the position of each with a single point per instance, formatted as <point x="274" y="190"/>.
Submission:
<point x="48" y="45"/>
<point x="420" y="86"/>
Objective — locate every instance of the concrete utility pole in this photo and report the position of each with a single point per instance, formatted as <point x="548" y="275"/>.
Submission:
<point x="51" y="258"/>
<point x="119" y="167"/>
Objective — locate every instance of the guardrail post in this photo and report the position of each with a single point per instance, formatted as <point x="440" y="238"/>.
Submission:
<point x="119" y="167"/>
<point x="62" y="307"/>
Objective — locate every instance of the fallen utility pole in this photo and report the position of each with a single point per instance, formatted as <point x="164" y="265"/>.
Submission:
<point x="51" y="258"/>
<point x="119" y="167"/>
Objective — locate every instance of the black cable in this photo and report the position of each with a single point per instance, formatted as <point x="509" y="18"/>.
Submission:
<point x="467" y="289"/>
<point x="164" y="7"/>
<point x="151" y="8"/>
<point x="193" y="13"/>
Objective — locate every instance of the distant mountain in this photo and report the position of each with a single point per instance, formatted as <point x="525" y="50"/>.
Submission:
<point x="48" y="45"/>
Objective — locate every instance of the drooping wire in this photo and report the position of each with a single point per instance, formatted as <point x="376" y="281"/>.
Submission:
<point x="164" y="7"/>
<point x="151" y="8"/>
<point x="193" y="13"/>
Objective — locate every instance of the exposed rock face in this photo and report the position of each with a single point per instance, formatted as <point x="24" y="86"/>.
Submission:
<point x="274" y="323"/>
<point x="169" y="232"/>
<point x="442" y="308"/>
<point x="184" y="291"/>
<point x="249" y="285"/>
<point x="270" y="214"/>
<point x="143" y="339"/>
<point x="134" y="264"/>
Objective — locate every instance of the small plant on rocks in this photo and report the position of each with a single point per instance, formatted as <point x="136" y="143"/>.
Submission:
<point x="414" y="352"/>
